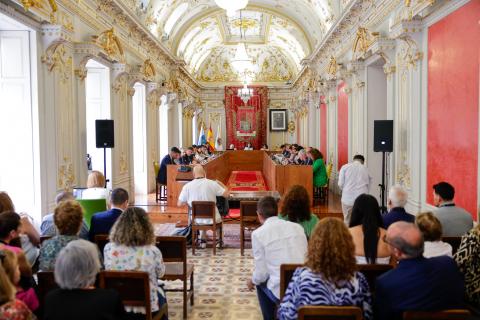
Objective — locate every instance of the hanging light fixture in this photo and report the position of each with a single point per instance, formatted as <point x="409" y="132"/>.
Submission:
<point x="242" y="63"/>
<point x="245" y="93"/>
<point x="231" y="6"/>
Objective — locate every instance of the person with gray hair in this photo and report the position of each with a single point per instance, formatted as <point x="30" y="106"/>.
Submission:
<point x="48" y="228"/>
<point x="417" y="283"/>
<point x="397" y="199"/>
<point x="77" y="298"/>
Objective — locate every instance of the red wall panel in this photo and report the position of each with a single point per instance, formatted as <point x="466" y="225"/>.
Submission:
<point x="323" y="129"/>
<point x="453" y="85"/>
<point x="342" y="126"/>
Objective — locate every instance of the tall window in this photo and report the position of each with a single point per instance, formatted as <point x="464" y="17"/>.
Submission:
<point x="98" y="108"/>
<point x="19" y="163"/>
<point x="140" y="139"/>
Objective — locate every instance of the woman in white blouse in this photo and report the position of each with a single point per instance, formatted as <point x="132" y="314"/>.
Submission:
<point x="431" y="228"/>
<point x="95" y="187"/>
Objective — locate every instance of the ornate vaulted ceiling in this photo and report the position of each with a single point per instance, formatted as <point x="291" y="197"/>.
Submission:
<point x="279" y="34"/>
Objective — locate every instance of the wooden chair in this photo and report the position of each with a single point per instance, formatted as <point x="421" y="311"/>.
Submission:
<point x="160" y="189"/>
<point x="454" y="242"/>
<point x="248" y="220"/>
<point x="134" y="290"/>
<point x="205" y="210"/>
<point x="372" y="272"/>
<point x="174" y="254"/>
<point x="328" y="313"/>
<point x="44" y="238"/>
<point x="101" y="241"/>
<point x="286" y="274"/>
<point x="46" y="283"/>
<point x="458" y="314"/>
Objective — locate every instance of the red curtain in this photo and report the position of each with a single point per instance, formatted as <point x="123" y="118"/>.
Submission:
<point x="246" y="122"/>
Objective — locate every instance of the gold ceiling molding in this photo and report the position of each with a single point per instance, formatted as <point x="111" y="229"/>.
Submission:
<point x="55" y="58"/>
<point x="332" y="66"/>
<point x="42" y="4"/>
<point x="110" y="43"/>
<point x="148" y="70"/>
<point x="362" y="40"/>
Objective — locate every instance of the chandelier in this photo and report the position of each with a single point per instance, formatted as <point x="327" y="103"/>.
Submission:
<point x="245" y="93"/>
<point x="231" y="6"/>
<point x="242" y="63"/>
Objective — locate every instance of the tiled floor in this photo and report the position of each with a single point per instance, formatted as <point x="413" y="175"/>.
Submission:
<point x="220" y="287"/>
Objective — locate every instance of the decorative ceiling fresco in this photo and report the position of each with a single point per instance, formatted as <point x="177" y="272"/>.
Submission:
<point x="278" y="34"/>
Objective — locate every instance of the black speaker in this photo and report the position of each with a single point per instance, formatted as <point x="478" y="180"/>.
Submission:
<point x="104" y="134"/>
<point x="383" y="135"/>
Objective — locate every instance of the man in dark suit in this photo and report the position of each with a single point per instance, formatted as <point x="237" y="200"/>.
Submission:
<point x="397" y="200"/>
<point x="102" y="222"/>
<point x="417" y="283"/>
<point x="168" y="159"/>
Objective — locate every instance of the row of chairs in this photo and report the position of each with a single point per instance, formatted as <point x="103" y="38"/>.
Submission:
<point x="174" y="254"/>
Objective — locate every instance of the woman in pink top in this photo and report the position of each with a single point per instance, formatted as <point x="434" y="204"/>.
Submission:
<point x="10" y="227"/>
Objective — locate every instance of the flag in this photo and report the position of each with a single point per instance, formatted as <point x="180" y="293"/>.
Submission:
<point x="218" y="136"/>
<point x="201" y="137"/>
<point x="210" y="138"/>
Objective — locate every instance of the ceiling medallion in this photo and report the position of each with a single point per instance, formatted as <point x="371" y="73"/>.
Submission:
<point x="231" y="6"/>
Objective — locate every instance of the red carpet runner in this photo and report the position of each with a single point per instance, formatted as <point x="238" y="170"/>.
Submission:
<point x="246" y="181"/>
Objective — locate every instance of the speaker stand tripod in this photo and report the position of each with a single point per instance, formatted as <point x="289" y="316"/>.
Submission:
<point x="105" y="165"/>
<point x="383" y="202"/>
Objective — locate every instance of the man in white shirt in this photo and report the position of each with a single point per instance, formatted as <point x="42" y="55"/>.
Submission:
<point x="275" y="243"/>
<point x="202" y="189"/>
<point x="354" y="180"/>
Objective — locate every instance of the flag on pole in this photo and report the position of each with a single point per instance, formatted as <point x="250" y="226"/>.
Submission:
<point x="210" y="138"/>
<point x="218" y="136"/>
<point x="201" y="138"/>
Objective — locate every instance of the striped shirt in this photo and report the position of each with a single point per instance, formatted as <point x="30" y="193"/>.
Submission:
<point x="311" y="289"/>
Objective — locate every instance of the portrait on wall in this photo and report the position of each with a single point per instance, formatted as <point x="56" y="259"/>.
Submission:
<point x="278" y="120"/>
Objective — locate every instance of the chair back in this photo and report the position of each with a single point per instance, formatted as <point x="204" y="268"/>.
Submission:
<point x="132" y="286"/>
<point x="156" y="167"/>
<point x="101" y="241"/>
<point x="44" y="238"/>
<point x="454" y="242"/>
<point x="203" y="210"/>
<point x="46" y="283"/>
<point x="329" y="170"/>
<point x="92" y="206"/>
<point x="457" y="314"/>
<point x="328" y="313"/>
<point x="248" y="209"/>
<point x="173" y="249"/>
<point x="286" y="275"/>
<point x="372" y="272"/>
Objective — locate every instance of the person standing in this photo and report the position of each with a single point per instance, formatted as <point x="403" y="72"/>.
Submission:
<point x="353" y="180"/>
<point x="168" y="159"/>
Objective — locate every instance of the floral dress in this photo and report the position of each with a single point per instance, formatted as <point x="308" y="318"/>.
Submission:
<point x="468" y="261"/>
<point x="16" y="310"/>
<point x="50" y="250"/>
<point x="142" y="258"/>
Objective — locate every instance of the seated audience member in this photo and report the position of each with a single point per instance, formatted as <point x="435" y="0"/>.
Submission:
<point x="219" y="144"/>
<point x="264" y="147"/>
<point x="417" y="283"/>
<point x="431" y="229"/>
<point x="455" y="221"/>
<point x="319" y="169"/>
<point x="188" y="157"/>
<point x="274" y="243"/>
<point x="468" y="261"/>
<point x="202" y="189"/>
<point x="248" y="146"/>
<point x="29" y="238"/>
<point x="296" y="208"/>
<point x="366" y="229"/>
<point x="9" y="262"/>
<point x="167" y="160"/>
<point x="102" y="222"/>
<point x="397" y="199"/>
<point x="132" y="247"/>
<point x="77" y="298"/>
<point x="10" y="307"/>
<point x="10" y="229"/>
<point x="285" y="151"/>
<point x="329" y="277"/>
<point x="95" y="187"/>
<point x="68" y="218"/>
<point x="48" y="228"/>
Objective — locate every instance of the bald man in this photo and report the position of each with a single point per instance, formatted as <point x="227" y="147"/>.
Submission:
<point x="417" y="283"/>
<point x="202" y="189"/>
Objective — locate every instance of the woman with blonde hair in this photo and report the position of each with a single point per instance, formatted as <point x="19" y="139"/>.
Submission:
<point x="431" y="229"/>
<point x="132" y="247"/>
<point x="10" y="307"/>
<point x="329" y="277"/>
<point x="96" y="187"/>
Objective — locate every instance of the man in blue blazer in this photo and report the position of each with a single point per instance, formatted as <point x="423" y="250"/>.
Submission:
<point x="168" y="159"/>
<point x="102" y="222"/>
<point x="417" y="283"/>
